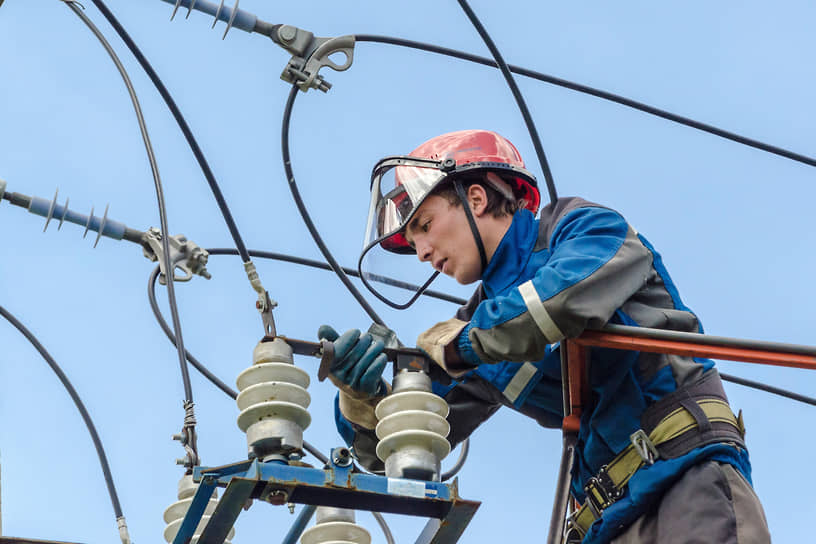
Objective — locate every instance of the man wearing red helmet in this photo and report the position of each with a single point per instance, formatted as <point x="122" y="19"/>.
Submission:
<point x="465" y="203"/>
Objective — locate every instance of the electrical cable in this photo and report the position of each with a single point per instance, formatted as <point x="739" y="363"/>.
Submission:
<point x="463" y="455"/>
<point x="349" y="271"/>
<point x="304" y="213"/>
<point x="389" y="538"/>
<point x="171" y="294"/>
<point x="97" y="442"/>
<point x="585" y="89"/>
<point x="769" y="389"/>
<point x="522" y="105"/>
<point x="182" y="123"/>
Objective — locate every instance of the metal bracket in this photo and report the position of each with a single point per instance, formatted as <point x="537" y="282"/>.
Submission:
<point x="184" y="255"/>
<point x="310" y="54"/>
<point x="338" y="485"/>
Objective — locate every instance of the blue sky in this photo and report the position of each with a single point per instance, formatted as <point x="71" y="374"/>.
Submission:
<point x="734" y="224"/>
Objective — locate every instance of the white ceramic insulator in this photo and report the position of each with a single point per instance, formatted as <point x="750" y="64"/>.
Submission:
<point x="412" y="425"/>
<point x="335" y="526"/>
<point x="175" y="513"/>
<point x="273" y="400"/>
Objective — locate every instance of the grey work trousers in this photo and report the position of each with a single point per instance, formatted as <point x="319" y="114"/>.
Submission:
<point x="710" y="503"/>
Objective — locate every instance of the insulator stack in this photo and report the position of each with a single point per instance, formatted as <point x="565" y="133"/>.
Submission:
<point x="273" y="401"/>
<point x="175" y="513"/>
<point x="335" y="526"/>
<point x="412" y="429"/>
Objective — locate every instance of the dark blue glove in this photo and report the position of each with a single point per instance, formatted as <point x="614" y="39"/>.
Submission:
<point x="359" y="360"/>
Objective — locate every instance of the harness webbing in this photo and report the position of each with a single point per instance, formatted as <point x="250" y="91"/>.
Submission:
<point x="605" y="488"/>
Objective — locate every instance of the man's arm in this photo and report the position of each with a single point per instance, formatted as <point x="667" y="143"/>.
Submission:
<point x="597" y="262"/>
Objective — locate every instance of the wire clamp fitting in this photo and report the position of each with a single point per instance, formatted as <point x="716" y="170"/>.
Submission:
<point x="310" y="54"/>
<point x="264" y="304"/>
<point x="188" y="438"/>
<point x="184" y="255"/>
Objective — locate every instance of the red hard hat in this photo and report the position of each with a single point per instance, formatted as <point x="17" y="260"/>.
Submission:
<point x="460" y="152"/>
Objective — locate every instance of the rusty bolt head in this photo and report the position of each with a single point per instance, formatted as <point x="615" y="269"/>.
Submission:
<point x="278" y="497"/>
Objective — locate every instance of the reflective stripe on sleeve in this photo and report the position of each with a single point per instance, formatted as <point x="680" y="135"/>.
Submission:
<point x="519" y="382"/>
<point x="539" y="313"/>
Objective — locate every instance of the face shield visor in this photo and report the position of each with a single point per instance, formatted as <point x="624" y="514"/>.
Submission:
<point x="399" y="185"/>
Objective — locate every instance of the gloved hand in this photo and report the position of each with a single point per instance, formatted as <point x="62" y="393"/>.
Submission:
<point x="440" y="343"/>
<point x="359" y="361"/>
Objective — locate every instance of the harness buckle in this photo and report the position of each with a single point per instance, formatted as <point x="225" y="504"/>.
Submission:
<point x="601" y="492"/>
<point x="644" y="446"/>
<point x="572" y="532"/>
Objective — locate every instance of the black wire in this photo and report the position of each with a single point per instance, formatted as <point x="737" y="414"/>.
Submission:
<point x="171" y="293"/>
<point x="769" y="389"/>
<point x="349" y="271"/>
<point x="604" y="95"/>
<point x="97" y="442"/>
<point x="528" y="119"/>
<point x="151" y="295"/>
<point x="304" y="213"/>
<point x="182" y="123"/>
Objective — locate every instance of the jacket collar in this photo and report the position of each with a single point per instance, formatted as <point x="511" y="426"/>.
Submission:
<point x="511" y="256"/>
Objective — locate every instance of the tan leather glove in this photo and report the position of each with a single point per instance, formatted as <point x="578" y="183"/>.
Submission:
<point x="358" y="407"/>
<point x="440" y="343"/>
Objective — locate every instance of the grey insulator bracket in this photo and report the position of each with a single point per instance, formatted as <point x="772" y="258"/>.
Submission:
<point x="184" y="255"/>
<point x="310" y="54"/>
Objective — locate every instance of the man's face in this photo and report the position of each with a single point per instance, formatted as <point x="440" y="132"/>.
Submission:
<point x="441" y="235"/>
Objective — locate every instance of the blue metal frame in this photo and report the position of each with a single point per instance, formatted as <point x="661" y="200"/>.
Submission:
<point x="336" y="485"/>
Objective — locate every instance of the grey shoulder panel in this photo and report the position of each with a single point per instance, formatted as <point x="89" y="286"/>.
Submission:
<point x="466" y="312"/>
<point x="551" y="214"/>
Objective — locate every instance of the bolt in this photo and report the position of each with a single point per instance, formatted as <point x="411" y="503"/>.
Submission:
<point x="341" y="457"/>
<point x="287" y="33"/>
<point x="291" y="506"/>
<point x="278" y="497"/>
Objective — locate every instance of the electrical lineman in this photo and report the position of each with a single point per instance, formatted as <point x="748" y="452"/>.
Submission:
<point x="465" y="203"/>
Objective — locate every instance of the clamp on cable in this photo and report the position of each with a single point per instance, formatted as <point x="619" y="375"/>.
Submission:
<point x="184" y="255"/>
<point x="265" y="305"/>
<point x="188" y="438"/>
<point x="310" y="54"/>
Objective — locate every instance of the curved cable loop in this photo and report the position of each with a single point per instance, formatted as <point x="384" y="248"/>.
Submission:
<point x="183" y="126"/>
<point x="463" y="455"/>
<point x="522" y="105"/>
<point x="304" y="213"/>
<point x="86" y="417"/>
<point x="389" y="538"/>
<point x="585" y="89"/>
<point x="171" y="294"/>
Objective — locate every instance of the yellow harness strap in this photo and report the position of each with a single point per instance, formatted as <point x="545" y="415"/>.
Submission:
<point x="617" y="473"/>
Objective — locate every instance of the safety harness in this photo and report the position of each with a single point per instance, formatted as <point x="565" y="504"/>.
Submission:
<point x="684" y="420"/>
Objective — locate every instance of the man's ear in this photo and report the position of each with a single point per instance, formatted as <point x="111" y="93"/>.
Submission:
<point x="477" y="198"/>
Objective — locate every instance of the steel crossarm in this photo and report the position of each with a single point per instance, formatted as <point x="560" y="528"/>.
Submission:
<point x="337" y="486"/>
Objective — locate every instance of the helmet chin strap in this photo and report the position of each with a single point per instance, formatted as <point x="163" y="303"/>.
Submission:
<point x="473" y="228"/>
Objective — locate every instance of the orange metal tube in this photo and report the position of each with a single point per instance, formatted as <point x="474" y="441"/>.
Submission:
<point x="693" y="349"/>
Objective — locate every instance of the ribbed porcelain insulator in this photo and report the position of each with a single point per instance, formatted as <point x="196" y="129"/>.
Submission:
<point x="335" y="526"/>
<point x="412" y="429"/>
<point x="175" y="513"/>
<point x="273" y="400"/>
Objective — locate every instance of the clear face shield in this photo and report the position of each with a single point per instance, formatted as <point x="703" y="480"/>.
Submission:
<point x="399" y="185"/>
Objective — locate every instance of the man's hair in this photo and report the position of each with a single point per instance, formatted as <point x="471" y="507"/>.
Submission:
<point x="497" y="204"/>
